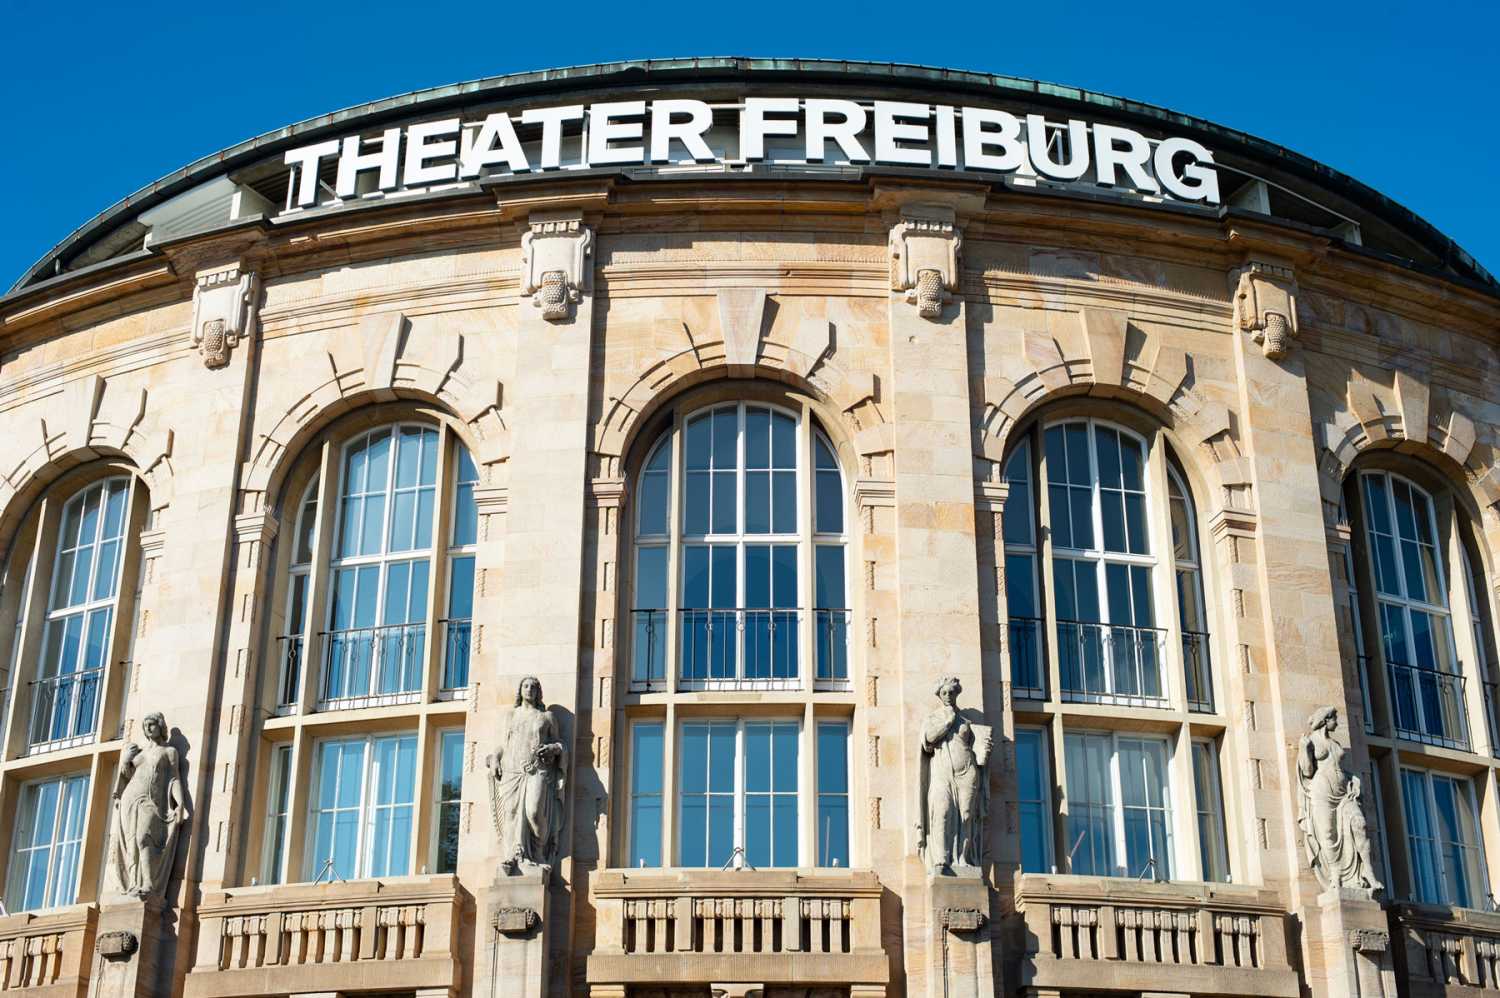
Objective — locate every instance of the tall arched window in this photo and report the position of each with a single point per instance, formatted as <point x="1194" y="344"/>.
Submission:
<point x="1418" y="603"/>
<point x="379" y="574"/>
<point x="1104" y="583"/>
<point x="760" y="508"/>
<point x="80" y="614"/>
<point x="75" y="565"/>
<point x="739" y="584"/>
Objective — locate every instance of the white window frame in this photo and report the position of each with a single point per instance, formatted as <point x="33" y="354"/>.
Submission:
<point x="1044" y="755"/>
<point x="1032" y="552"/>
<point x="288" y="687"/>
<point x="366" y="809"/>
<point x="1101" y="558"/>
<point x="273" y="871"/>
<point x="84" y="610"/>
<point x="739" y="850"/>
<point x="668" y="789"/>
<point x="817" y="791"/>
<point x="438" y="803"/>
<point x="15" y="878"/>
<point x="1220" y="827"/>
<point x="1480" y="890"/>
<point x="1118" y="806"/>
<point x="381" y="560"/>
<point x="455" y="552"/>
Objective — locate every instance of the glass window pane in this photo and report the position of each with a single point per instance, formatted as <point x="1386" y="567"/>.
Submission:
<point x="784" y="502"/>
<point x="724" y="499"/>
<point x="721" y="740"/>
<point x="757" y="502"/>
<point x="757" y="758"/>
<point x="1017" y="515"/>
<point x="783" y="441"/>
<point x="829" y="581"/>
<point x="757" y="438"/>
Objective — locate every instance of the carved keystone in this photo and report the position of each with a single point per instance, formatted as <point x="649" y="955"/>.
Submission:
<point x="224" y="303"/>
<point x="924" y="247"/>
<point x="1266" y="304"/>
<point x="556" y="265"/>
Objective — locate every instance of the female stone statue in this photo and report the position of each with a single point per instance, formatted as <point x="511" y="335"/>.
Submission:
<point x="527" y="775"/>
<point x="149" y="809"/>
<point x="1331" y="816"/>
<point x="955" y="753"/>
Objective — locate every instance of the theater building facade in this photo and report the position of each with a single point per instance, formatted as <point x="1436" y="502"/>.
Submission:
<point x="778" y="528"/>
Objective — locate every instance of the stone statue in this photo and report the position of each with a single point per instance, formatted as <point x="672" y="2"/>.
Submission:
<point x="527" y="778"/>
<point x="955" y="785"/>
<point x="149" y="809"/>
<point x="1330" y="809"/>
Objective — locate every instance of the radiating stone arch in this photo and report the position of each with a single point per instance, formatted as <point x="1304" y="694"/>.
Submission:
<point x="376" y="365"/>
<point x="1153" y="376"/>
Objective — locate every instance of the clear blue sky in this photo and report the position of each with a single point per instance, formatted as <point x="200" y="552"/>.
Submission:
<point x="101" y="98"/>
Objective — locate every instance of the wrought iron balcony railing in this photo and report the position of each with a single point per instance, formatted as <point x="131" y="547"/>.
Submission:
<point x="65" y="709"/>
<point x="457" y="632"/>
<point x="289" y="678"/>
<point x="372" y="666"/>
<point x="1111" y="663"/>
<point x="1429" y="706"/>
<point x="738" y="649"/>
<point x="1197" y="671"/>
<point x="1028" y="658"/>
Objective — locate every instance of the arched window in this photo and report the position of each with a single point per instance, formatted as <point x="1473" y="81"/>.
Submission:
<point x="379" y="589"/>
<point x="1104" y="583"/>
<point x="1418" y="606"/>
<point x="761" y="507"/>
<point x="739" y="583"/>
<point x="80" y="614"/>
<point x="75" y="563"/>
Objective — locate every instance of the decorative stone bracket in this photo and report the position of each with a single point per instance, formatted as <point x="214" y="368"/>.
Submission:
<point x="556" y="265"/>
<point x="963" y="919"/>
<point x="1266" y="305"/>
<point x="224" y="307"/>
<point x="512" y="921"/>
<point x="924" y="249"/>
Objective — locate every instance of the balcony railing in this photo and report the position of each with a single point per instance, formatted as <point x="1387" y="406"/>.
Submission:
<point x="1213" y="939"/>
<point x="1449" y="951"/>
<point x="388" y="935"/>
<point x="289" y="678"/>
<point x="831" y="644"/>
<point x="48" y="953"/>
<point x="777" y="927"/>
<point x="372" y="666"/>
<point x="1028" y="658"/>
<point x="65" y="709"/>
<point x="457" y="632"/>
<point x="648" y="649"/>
<point x="1197" y="671"/>
<point x="1111" y="663"/>
<point x="1429" y="706"/>
<point x="738" y="649"/>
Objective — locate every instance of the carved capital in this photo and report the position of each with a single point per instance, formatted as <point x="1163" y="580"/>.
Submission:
<point x="556" y="263"/>
<point x="924" y="247"/>
<point x="1265" y="304"/>
<point x="224" y="308"/>
<point x="515" y="921"/>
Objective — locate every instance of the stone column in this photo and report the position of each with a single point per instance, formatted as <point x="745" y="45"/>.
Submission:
<point x="938" y="618"/>
<point x="541" y="582"/>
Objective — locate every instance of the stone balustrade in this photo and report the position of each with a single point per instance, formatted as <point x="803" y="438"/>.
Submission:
<point x="1450" y="951"/>
<point x="48" y="955"/>
<point x="1089" y="933"/>
<point x="772" y="927"/>
<point x="395" y="934"/>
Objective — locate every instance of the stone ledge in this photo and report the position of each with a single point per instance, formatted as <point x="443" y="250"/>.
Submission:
<point x="1043" y="971"/>
<point x="767" y="968"/>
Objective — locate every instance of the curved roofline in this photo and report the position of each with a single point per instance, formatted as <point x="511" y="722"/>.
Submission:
<point x="711" y="68"/>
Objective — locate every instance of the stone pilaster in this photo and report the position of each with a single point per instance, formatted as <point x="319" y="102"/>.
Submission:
<point x="541" y="584"/>
<point x="938" y="622"/>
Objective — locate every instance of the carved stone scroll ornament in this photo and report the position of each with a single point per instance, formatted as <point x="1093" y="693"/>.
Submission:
<point x="1331" y="809"/>
<point x="528" y="773"/>
<point x="1266" y="301"/>
<point x="954" y="784"/>
<point x="223" y="313"/>
<point x="556" y="264"/>
<point x="150" y="809"/>
<point x="924" y="258"/>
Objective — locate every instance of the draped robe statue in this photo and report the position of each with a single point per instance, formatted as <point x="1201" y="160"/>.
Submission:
<point x="527" y="778"/>
<point x="955" y="784"/>
<point x="1330" y="811"/>
<point x="149" y="810"/>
